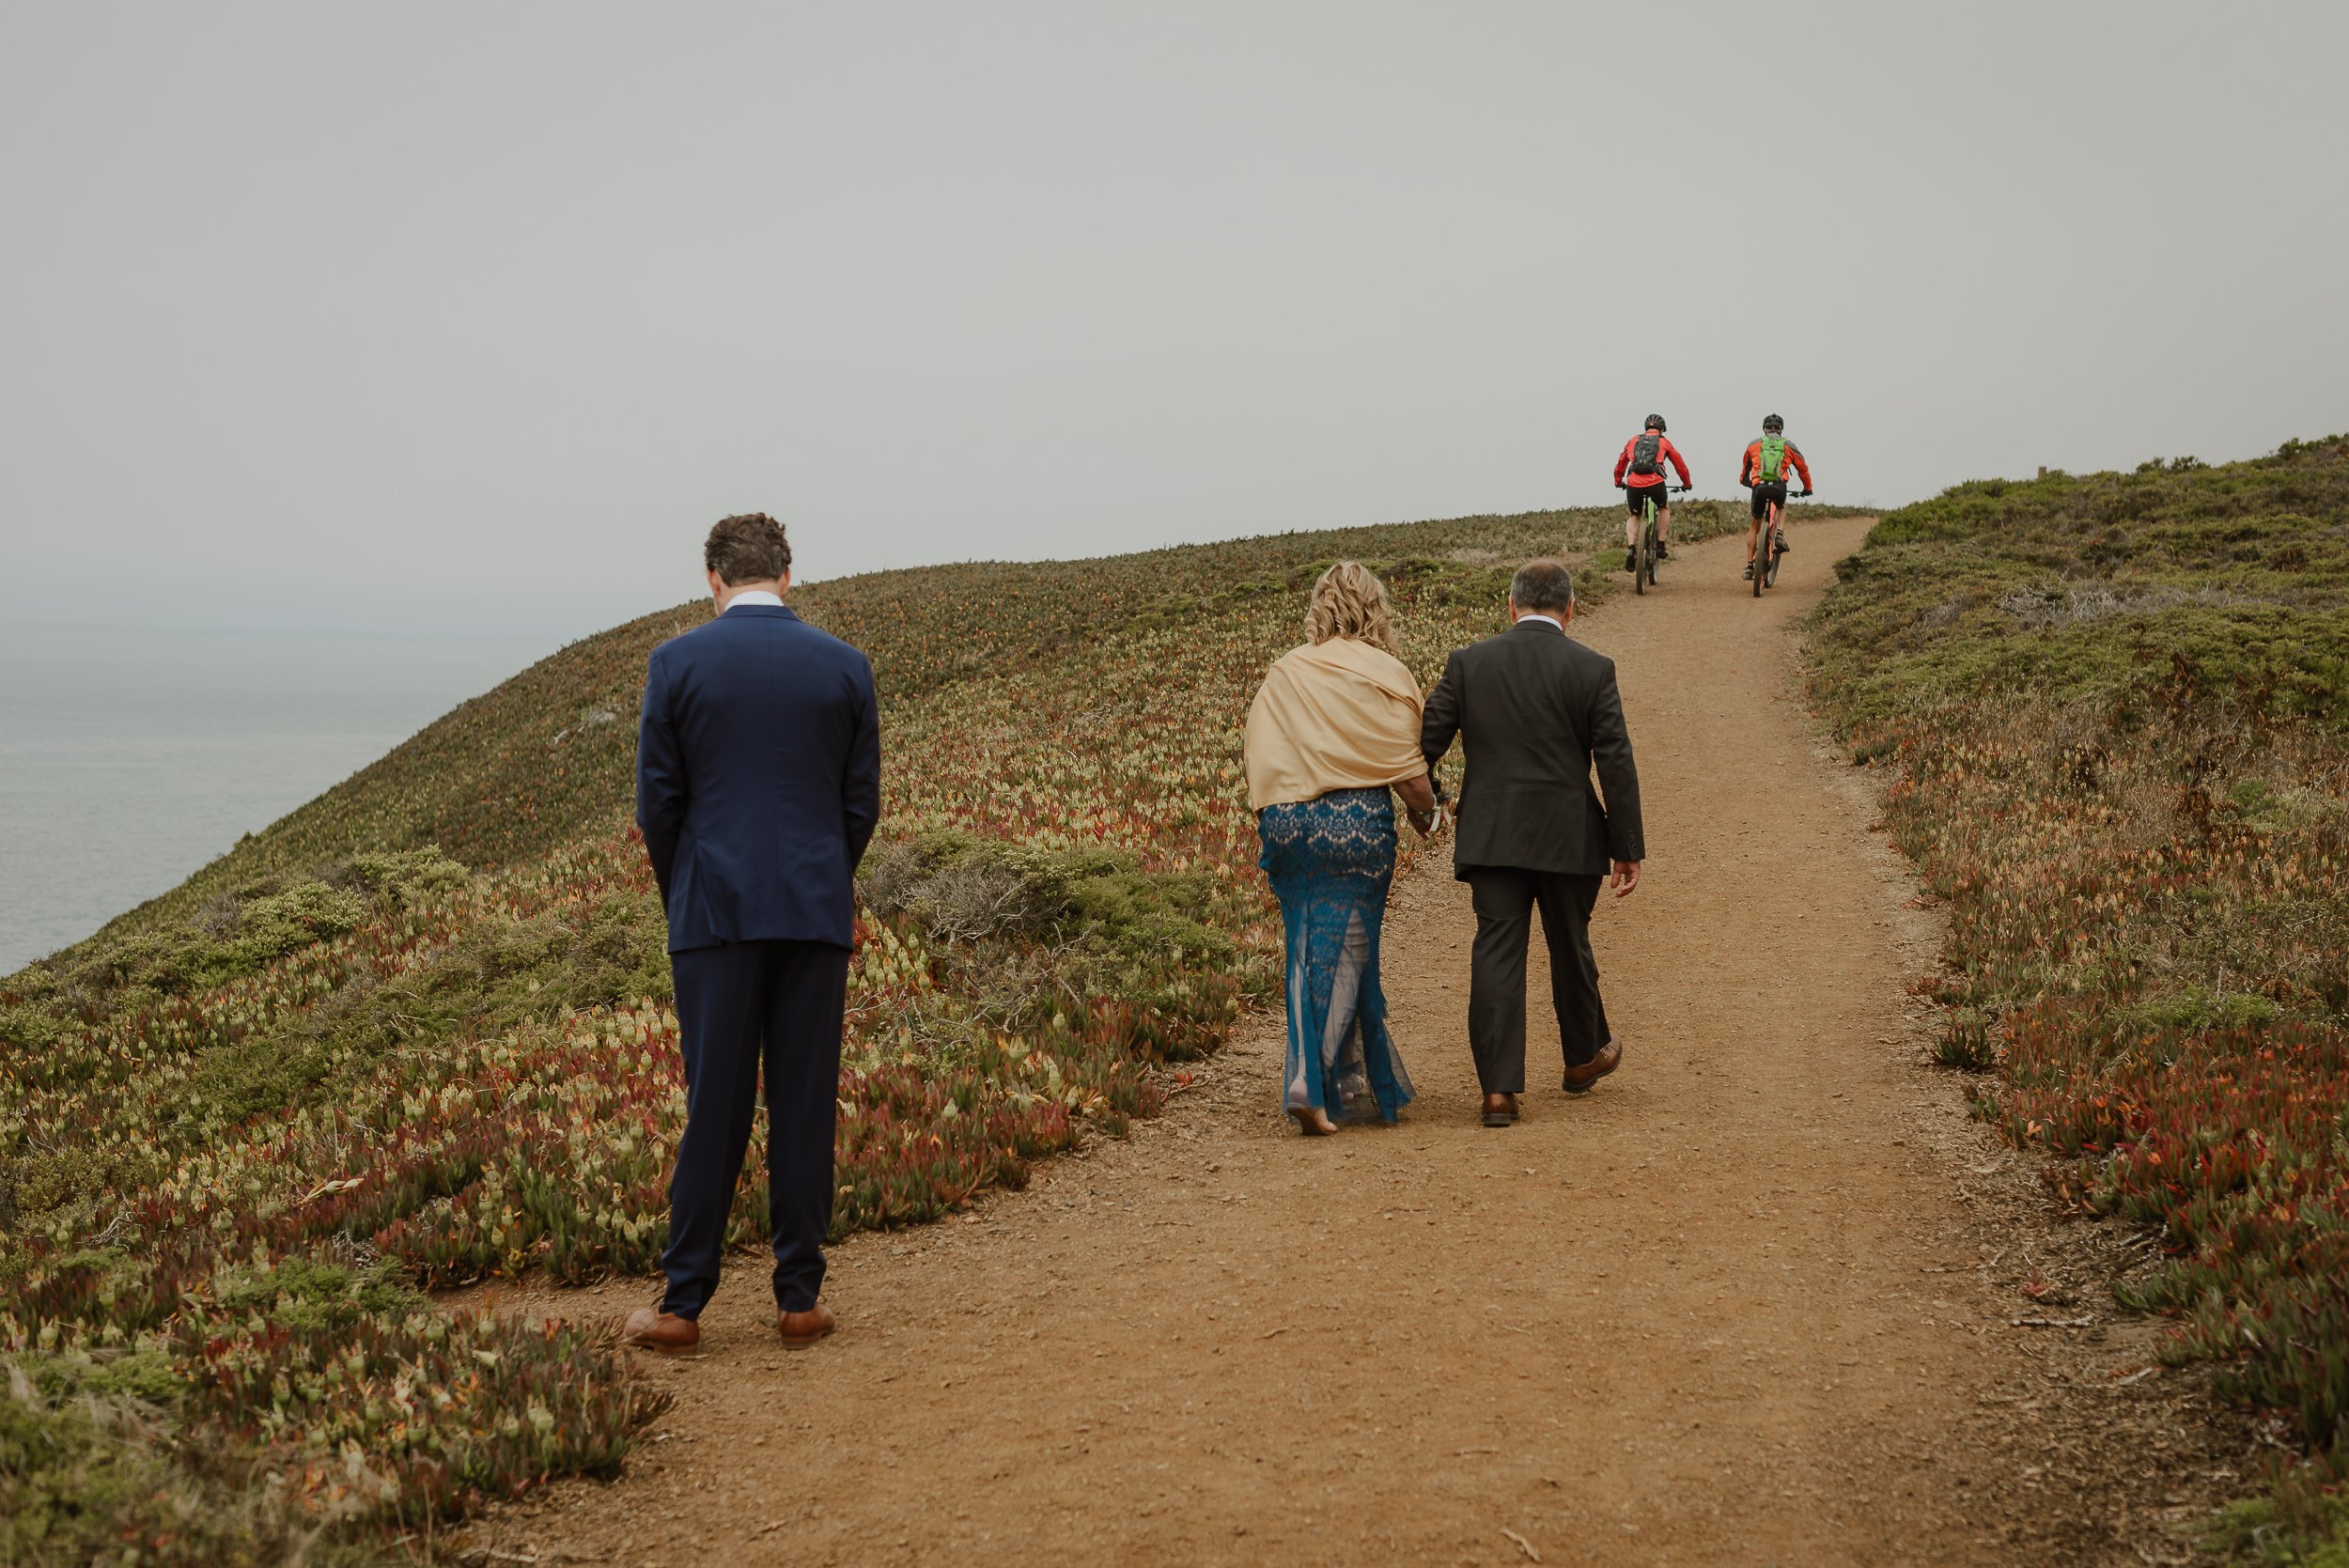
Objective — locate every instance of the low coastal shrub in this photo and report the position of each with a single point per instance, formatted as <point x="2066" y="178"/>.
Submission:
<point x="2117" y="710"/>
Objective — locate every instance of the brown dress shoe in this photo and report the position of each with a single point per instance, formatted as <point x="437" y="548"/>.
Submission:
<point x="1609" y="1057"/>
<point x="1500" y="1109"/>
<point x="653" y="1329"/>
<point x="801" y="1329"/>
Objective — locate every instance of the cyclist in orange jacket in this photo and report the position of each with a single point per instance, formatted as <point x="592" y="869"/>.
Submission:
<point x="1641" y="472"/>
<point x="1767" y="457"/>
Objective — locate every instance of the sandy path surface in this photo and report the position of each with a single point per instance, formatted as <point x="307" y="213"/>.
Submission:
<point x="1722" y="1310"/>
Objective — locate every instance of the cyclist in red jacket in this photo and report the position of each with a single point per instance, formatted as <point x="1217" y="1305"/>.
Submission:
<point x="1767" y="458"/>
<point x="1641" y="472"/>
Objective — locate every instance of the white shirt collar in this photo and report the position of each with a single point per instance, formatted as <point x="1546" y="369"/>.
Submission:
<point x="1537" y="616"/>
<point x="754" y="596"/>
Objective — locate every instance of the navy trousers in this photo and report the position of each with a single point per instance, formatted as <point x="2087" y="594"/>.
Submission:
<point x="1504" y="899"/>
<point x="741" y="1007"/>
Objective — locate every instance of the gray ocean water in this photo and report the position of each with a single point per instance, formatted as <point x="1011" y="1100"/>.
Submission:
<point x="129" y="759"/>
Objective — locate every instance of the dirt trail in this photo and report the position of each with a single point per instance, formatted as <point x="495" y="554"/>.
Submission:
<point x="1722" y="1311"/>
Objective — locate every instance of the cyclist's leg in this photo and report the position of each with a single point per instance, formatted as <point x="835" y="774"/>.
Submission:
<point x="1663" y="523"/>
<point x="1760" y="509"/>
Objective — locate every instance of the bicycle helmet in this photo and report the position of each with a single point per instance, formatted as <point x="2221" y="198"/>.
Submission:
<point x="1772" y="422"/>
<point x="1655" y="421"/>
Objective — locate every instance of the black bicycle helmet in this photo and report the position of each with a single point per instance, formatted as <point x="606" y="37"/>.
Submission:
<point x="1772" y="422"/>
<point x="1656" y="422"/>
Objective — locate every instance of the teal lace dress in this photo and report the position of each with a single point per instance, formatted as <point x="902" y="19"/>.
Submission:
<point x="1330" y="862"/>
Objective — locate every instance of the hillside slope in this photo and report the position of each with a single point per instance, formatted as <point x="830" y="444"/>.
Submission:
<point x="416" y="1034"/>
<point x="512" y="774"/>
<point x="1704" y="1317"/>
<point x="2119" y="704"/>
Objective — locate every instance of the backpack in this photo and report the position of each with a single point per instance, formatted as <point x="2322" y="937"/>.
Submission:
<point x="1769" y="464"/>
<point x="1647" y="452"/>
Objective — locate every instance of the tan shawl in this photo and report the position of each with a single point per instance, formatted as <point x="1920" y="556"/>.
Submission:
<point x="1334" y="715"/>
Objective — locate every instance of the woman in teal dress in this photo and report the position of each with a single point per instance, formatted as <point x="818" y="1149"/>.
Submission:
<point x="1333" y="730"/>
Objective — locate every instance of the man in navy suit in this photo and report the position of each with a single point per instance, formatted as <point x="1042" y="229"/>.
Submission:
<point x="758" y="787"/>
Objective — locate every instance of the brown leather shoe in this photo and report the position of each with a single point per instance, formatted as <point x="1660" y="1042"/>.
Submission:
<point x="650" y="1328"/>
<point x="1580" y="1079"/>
<point x="801" y="1329"/>
<point x="1500" y="1109"/>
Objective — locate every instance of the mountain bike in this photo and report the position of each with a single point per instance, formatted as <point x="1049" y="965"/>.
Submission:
<point x="1767" y="549"/>
<point x="1644" y="564"/>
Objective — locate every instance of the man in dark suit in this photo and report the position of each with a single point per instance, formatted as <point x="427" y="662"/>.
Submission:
<point x="758" y="787"/>
<point x="1537" y="712"/>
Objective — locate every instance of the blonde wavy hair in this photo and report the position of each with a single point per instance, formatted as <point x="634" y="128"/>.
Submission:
<point x="1350" y="601"/>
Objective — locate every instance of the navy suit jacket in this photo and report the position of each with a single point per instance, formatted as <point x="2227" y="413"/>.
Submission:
<point x="757" y="779"/>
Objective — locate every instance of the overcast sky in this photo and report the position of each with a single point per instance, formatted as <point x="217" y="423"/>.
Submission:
<point x="441" y="315"/>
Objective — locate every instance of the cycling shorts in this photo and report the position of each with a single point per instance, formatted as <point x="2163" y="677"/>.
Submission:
<point x="1636" y="497"/>
<point x="1764" y="495"/>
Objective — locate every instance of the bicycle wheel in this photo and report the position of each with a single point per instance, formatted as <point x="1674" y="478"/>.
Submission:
<point x="1777" y="554"/>
<point x="1644" y="560"/>
<point x="1655" y="548"/>
<point x="1761" y="554"/>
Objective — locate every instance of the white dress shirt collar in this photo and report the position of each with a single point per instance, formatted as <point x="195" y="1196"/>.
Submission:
<point x="1537" y="616"/>
<point x="754" y="596"/>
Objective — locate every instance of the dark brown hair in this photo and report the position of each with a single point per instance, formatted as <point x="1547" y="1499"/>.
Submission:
<point x="1544" y="584"/>
<point x="748" y="546"/>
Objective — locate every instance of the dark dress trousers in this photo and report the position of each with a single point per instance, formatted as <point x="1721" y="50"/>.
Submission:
<point x="758" y="787"/>
<point x="1535" y="712"/>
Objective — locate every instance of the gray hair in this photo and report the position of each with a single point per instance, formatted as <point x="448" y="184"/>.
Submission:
<point x="1544" y="584"/>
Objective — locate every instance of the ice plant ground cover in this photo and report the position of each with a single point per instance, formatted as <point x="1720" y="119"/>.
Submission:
<point x="419" y="1034"/>
<point x="2119" y="709"/>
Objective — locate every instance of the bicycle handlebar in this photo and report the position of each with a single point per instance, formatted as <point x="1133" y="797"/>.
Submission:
<point x="1675" y="489"/>
<point x="1790" y="495"/>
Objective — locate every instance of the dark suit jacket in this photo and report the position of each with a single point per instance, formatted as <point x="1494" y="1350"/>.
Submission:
<point x="1537" y="710"/>
<point x="757" y="779"/>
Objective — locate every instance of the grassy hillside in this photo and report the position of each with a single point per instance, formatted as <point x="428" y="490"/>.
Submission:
<point x="525" y="769"/>
<point x="2120" y="709"/>
<point x="419" y="1033"/>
